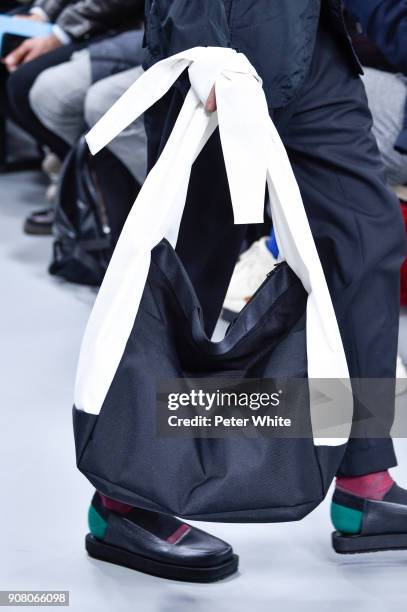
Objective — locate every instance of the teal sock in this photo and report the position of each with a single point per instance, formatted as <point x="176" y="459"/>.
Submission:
<point x="96" y="522"/>
<point x="99" y="511"/>
<point x="345" y="519"/>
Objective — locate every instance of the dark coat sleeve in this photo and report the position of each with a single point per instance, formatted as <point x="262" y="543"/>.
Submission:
<point x="385" y="23"/>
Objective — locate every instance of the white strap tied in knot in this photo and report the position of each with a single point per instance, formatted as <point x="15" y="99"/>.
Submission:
<point x="253" y="154"/>
<point x="236" y="83"/>
<point x="210" y="62"/>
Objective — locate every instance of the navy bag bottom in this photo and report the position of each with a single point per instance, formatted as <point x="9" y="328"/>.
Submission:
<point x="237" y="479"/>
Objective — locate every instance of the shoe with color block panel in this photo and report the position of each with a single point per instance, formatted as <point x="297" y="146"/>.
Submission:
<point x="156" y="544"/>
<point x="369" y="525"/>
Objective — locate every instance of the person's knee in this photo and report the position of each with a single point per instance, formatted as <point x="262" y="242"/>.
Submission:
<point x="40" y="96"/>
<point x="95" y="104"/>
<point x="44" y="100"/>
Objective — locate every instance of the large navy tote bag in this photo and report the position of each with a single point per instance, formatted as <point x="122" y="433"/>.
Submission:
<point x="147" y="323"/>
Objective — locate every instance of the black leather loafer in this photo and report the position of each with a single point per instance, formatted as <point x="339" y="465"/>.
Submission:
<point x="381" y="525"/>
<point x="157" y="544"/>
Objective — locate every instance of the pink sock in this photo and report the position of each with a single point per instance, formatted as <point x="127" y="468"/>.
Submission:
<point x="372" y="486"/>
<point x="115" y="506"/>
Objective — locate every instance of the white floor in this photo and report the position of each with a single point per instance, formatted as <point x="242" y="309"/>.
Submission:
<point x="43" y="499"/>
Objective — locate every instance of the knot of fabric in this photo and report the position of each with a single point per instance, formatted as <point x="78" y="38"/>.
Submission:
<point x="210" y="62"/>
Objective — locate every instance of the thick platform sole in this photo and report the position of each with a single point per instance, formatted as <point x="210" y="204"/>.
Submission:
<point x="354" y="544"/>
<point x="119" y="556"/>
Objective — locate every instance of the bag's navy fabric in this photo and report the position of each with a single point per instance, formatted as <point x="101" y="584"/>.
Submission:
<point x="238" y="479"/>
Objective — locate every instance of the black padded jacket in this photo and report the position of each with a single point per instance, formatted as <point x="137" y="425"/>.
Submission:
<point x="277" y="36"/>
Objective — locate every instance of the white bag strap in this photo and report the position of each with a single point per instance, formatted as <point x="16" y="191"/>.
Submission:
<point x="253" y="154"/>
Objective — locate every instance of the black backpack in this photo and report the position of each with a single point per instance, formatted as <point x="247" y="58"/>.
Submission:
<point x="90" y="213"/>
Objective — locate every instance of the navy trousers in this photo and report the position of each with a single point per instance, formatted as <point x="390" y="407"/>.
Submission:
<point x="355" y="220"/>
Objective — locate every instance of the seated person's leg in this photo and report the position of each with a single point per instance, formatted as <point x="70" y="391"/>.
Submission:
<point x="18" y="88"/>
<point x="57" y="97"/>
<point x="386" y="93"/>
<point x="130" y="147"/>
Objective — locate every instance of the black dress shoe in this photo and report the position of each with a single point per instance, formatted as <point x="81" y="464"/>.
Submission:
<point x="157" y="544"/>
<point x="40" y="223"/>
<point x="369" y="525"/>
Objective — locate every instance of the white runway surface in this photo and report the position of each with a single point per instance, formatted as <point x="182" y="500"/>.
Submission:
<point x="44" y="500"/>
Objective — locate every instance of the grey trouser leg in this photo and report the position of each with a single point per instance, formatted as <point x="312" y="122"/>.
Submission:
<point x="66" y="102"/>
<point x="130" y="147"/>
<point x="58" y="94"/>
<point x="387" y="94"/>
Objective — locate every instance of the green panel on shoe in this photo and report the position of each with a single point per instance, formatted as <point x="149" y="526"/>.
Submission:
<point x="97" y="524"/>
<point x="346" y="520"/>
